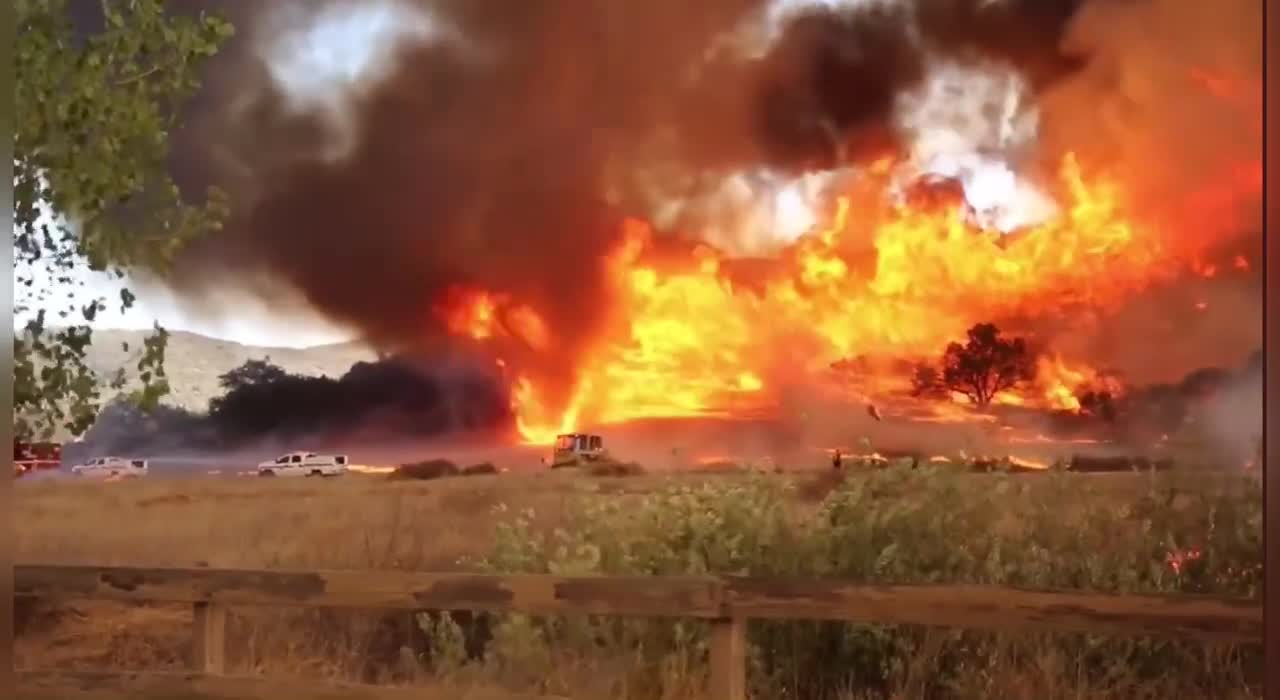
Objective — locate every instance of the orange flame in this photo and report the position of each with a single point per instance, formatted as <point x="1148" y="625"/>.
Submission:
<point x="1061" y="381"/>
<point x="881" y="280"/>
<point x="481" y="315"/>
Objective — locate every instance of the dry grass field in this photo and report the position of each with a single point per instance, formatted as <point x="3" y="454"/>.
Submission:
<point x="1100" y="532"/>
<point x="358" y="522"/>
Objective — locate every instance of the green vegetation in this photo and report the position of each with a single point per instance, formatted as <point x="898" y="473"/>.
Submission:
<point x="92" y="188"/>
<point x="904" y="526"/>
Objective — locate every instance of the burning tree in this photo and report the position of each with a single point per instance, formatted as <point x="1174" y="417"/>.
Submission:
<point x="987" y="364"/>
<point x="1098" y="402"/>
<point x="927" y="382"/>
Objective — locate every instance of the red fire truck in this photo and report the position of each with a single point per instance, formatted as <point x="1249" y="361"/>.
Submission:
<point x="32" y="456"/>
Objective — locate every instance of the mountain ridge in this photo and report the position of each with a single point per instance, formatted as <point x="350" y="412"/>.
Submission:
<point x="194" y="362"/>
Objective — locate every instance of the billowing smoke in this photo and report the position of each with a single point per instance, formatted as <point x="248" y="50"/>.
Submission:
<point x="375" y="403"/>
<point x="1171" y="103"/>
<point x="497" y="145"/>
<point x="1218" y="409"/>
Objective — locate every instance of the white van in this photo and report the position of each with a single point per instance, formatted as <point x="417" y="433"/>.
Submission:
<point x="107" y="467"/>
<point x="304" y="464"/>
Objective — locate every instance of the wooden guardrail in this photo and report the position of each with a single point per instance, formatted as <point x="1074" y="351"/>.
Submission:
<point x="726" y="602"/>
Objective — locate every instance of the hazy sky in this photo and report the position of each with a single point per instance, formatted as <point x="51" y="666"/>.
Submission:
<point x="252" y="322"/>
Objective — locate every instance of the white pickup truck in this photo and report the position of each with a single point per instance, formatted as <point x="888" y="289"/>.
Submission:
<point x="304" y="464"/>
<point x="109" y="467"/>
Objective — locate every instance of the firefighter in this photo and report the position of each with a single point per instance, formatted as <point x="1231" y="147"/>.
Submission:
<point x="835" y="460"/>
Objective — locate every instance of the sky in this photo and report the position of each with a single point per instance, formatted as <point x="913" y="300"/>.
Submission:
<point x="253" y="321"/>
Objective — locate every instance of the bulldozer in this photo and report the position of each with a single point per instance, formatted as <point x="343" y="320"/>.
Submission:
<point x="572" y="449"/>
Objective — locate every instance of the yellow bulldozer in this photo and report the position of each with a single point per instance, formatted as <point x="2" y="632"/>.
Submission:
<point x="573" y="449"/>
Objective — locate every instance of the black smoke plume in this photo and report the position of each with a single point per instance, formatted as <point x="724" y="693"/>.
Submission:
<point x="501" y="151"/>
<point x="1021" y="33"/>
<point x="1212" y="415"/>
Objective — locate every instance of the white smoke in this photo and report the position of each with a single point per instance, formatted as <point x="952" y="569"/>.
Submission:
<point x="323" y="60"/>
<point x="975" y="123"/>
<point x="753" y="213"/>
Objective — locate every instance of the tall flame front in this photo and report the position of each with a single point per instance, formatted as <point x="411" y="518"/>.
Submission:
<point x="699" y="337"/>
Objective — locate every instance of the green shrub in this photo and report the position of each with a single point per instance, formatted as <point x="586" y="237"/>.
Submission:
<point x="430" y="469"/>
<point x="480" y="469"/>
<point x="1155" y="533"/>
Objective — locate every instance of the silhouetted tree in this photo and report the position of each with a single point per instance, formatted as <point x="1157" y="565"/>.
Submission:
<point x="250" y="373"/>
<point x="251" y="379"/>
<point x="987" y="364"/>
<point x="389" y="397"/>
<point x="1098" y="403"/>
<point x="926" y="382"/>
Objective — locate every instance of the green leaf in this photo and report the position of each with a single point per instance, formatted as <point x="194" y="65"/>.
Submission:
<point x="91" y="128"/>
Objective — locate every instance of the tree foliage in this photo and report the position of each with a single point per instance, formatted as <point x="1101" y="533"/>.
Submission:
<point x="1100" y="403"/>
<point x="987" y="364"/>
<point x="92" y="188"/>
<point x="387" y="398"/>
<point x="926" y="382"/>
<point x="252" y="373"/>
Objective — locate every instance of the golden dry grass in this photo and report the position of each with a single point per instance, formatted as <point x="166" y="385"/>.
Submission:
<point x="357" y="522"/>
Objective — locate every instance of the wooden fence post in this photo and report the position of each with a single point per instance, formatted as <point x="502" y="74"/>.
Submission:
<point x="208" y="647"/>
<point x="728" y="679"/>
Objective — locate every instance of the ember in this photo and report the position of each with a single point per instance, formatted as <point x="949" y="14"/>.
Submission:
<point x="1179" y="559"/>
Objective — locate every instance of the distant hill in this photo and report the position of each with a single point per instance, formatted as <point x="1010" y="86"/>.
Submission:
<point x="194" y="362"/>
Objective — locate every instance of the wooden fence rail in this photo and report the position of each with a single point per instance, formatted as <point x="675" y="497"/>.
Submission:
<point x="727" y="602"/>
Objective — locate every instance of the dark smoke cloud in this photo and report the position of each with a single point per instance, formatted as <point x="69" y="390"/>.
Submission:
<point x="1025" y="34"/>
<point x="1173" y="98"/>
<point x="830" y="83"/>
<point x="1213" y="411"/>
<point x="503" y="155"/>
